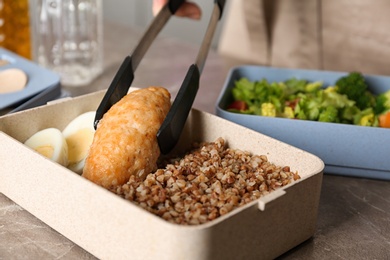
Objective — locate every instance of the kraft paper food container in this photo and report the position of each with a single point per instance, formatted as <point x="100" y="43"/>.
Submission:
<point x="110" y="227"/>
<point x="348" y="150"/>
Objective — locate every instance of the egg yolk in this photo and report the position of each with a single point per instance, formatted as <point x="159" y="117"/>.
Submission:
<point x="78" y="144"/>
<point x="45" y="150"/>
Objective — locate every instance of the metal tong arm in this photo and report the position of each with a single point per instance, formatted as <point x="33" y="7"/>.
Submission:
<point x="171" y="128"/>
<point x="124" y="77"/>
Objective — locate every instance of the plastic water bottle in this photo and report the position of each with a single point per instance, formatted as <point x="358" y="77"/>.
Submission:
<point x="68" y="38"/>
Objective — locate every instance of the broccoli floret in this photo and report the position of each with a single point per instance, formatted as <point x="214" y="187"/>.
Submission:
<point x="244" y="90"/>
<point x="366" y="100"/>
<point x="278" y="89"/>
<point x="366" y="117"/>
<point x="307" y="108"/>
<point x="299" y="113"/>
<point x="312" y="109"/>
<point x="332" y="98"/>
<point x="295" y="85"/>
<point x="348" y="113"/>
<point x="330" y="114"/>
<point x="382" y="103"/>
<point x="276" y="102"/>
<point x="254" y="110"/>
<point x="367" y="120"/>
<point x="355" y="87"/>
<point x="331" y="89"/>
<point x="262" y="91"/>
<point x="313" y="86"/>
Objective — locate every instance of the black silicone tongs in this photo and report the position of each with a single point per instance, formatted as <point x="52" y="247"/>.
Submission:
<point x="125" y="75"/>
<point x="171" y="128"/>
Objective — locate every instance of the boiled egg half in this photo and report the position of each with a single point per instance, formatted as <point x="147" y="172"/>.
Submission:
<point x="79" y="136"/>
<point x="50" y="143"/>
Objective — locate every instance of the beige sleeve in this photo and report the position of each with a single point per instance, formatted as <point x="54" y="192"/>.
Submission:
<point x="281" y="33"/>
<point x="339" y="35"/>
<point x="125" y="141"/>
<point x="356" y="36"/>
<point x="296" y="34"/>
<point x="244" y="33"/>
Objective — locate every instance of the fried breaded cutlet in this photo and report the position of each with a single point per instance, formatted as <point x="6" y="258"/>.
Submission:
<point x="125" y="141"/>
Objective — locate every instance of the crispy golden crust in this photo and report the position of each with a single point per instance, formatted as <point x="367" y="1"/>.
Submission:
<point x="125" y="141"/>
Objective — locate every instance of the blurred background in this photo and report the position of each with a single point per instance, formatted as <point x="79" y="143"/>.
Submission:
<point x="138" y="13"/>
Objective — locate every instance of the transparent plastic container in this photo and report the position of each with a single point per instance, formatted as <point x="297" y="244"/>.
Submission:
<point x="68" y="38"/>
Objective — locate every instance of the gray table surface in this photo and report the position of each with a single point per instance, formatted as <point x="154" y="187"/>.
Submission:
<point x="354" y="213"/>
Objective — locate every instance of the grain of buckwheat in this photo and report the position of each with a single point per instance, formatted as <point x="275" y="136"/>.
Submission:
<point x="206" y="183"/>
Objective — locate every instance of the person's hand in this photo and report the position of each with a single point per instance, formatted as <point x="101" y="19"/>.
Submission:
<point x="187" y="9"/>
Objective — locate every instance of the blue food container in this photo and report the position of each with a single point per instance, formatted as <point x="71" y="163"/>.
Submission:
<point x="42" y="84"/>
<point x="346" y="149"/>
